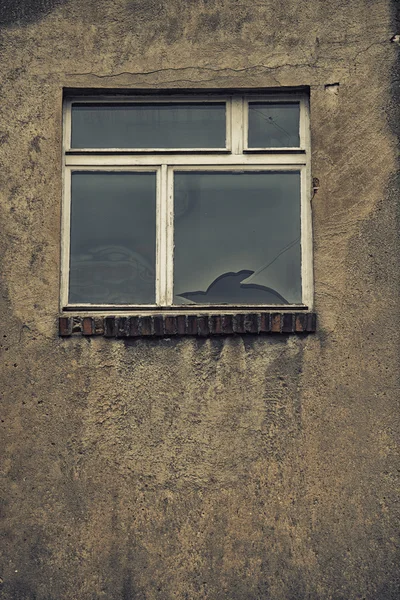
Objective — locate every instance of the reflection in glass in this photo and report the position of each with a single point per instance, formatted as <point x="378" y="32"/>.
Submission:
<point x="149" y="125"/>
<point x="113" y="233"/>
<point x="237" y="238"/>
<point x="274" y="125"/>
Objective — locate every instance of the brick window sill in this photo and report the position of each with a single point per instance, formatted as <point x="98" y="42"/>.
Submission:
<point x="203" y="325"/>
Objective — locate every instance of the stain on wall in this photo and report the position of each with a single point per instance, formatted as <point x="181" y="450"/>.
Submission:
<point x="23" y="12"/>
<point x="237" y="468"/>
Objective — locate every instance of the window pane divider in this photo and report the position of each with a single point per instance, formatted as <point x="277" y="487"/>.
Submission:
<point x="161" y="225"/>
<point x="169" y="227"/>
<point x="155" y="151"/>
<point x="110" y="160"/>
<point x="236" y="125"/>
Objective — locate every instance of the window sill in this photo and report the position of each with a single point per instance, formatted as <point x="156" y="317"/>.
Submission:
<point x="188" y="324"/>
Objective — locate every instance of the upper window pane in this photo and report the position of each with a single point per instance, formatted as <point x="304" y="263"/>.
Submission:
<point x="274" y="125"/>
<point x="149" y="125"/>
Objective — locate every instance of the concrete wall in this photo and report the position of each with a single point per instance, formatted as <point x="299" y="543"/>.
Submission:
<point x="236" y="468"/>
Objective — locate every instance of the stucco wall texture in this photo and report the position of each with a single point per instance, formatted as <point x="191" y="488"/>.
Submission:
<point x="236" y="468"/>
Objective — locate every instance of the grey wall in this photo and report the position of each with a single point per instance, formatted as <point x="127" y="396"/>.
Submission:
<point x="237" y="468"/>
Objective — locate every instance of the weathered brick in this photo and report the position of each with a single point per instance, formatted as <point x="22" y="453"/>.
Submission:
<point x="99" y="325"/>
<point x="88" y="326"/>
<point x="251" y="323"/>
<point x="203" y="327"/>
<point x="215" y="322"/>
<point x="158" y="322"/>
<point x="122" y="324"/>
<point x="265" y="323"/>
<point x="311" y="322"/>
<point x="170" y="325"/>
<point x="276" y="322"/>
<point x="146" y="325"/>
<point x="181" y="324"/>
<point x="300" y="322"/>
<point x="238" y="324"/>
<point x="134" y="326"/>
<point x="76" y="324"/>
<point x="191" y="325"/>
<point x="110" y="328"/>
<point x="65" y="326"/>
<point x="227" y="324"/>
<point x="287" y="323"/>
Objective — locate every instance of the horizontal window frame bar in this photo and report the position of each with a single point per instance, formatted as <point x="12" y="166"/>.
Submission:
<point x="107" y="160"/>
<point x="211" y="96"/>
<point x="187" y="167"/>
<point x="127" y="151"/>
<point x="282" y="150"/>
<point x="148" y="99"/>
<point x="182" y="308"/>
<point x="233" y="168"/>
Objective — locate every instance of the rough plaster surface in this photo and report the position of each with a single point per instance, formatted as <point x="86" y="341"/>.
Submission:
<point x="223" y="469"/>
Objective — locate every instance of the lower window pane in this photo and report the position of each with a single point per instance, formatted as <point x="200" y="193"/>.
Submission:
<point x="237" y="238"/>
<point x="113" y="238"/>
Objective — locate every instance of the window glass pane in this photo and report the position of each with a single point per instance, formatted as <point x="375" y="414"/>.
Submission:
<point x="149" y="125"/>
<point x="237" y="238"/>
<point x="113" y="238"/>
<point x="274" y="125"/>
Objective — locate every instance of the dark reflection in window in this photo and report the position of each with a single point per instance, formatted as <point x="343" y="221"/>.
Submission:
<point x="230" y="285"/>
<point x="113" y="233"/>
<point x="237" y="238"/>
<point x="149" y="125"/>
<point x="274" y="125"/>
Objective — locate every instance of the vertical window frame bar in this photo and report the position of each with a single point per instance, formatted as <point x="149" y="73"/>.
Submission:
<point x="228" y="125"/>
<point x="67" y="133"/>
<point x="307" y="263"/>
<point x="160" y="238"/>
<point x="304" y="125"/>
<point x="306" y="239"/>
<point x="236" y="124"/>
<point x="170" y="246"/>
<point x="66" y="236"/>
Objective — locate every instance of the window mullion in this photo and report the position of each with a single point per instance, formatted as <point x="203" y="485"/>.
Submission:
<point x="169" y="228"/>
<point x="161" y="278"/>
<point x="237" y="125"/>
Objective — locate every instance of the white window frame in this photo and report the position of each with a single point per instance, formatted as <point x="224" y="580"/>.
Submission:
<point x="236" y="156"/>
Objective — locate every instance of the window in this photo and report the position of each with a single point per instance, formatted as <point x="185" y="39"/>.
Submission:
<point x="186" y="202"/>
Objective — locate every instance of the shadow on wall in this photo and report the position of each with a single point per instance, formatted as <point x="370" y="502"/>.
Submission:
<point x="23" y="12"/>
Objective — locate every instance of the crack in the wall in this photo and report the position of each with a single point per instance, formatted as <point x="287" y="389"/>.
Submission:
<point x="195" y="68"/>
<point x="311" y="65"/>
<point x="370" y="46"/>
